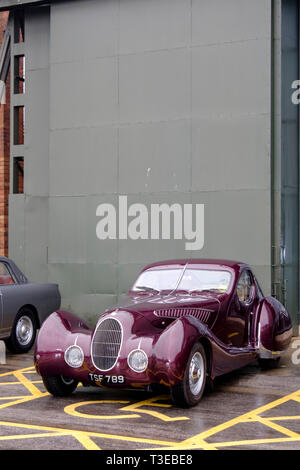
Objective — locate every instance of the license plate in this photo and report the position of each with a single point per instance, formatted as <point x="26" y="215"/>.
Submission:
<point x="107" y="379"/>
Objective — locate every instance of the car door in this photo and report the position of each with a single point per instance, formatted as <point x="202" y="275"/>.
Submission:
<point x="7" y="285"/>
<point x="240" y="311"/>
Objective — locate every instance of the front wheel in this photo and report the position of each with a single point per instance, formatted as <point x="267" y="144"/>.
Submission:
<point x="190" y="390"/>
<point x="23" y="332"/>
<point x="60" y="386"/>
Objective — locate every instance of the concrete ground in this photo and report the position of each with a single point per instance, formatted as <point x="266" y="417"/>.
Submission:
<point x="249" y="409"/>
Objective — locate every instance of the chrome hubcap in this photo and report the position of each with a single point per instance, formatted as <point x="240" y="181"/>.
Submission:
<point x="24" y="330"/>
<point x="66" y="380"/>
<point x="196" y="373"/>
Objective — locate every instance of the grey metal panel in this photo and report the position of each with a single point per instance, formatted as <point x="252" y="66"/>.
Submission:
<point x="226" y="79"/>
<point x="155" y="157"/>
<point x="36" y="238"/>
<point x="92" y="30"/>
<point x="83" y="161"/>
<point x="127" y="275"/>
<point x="37" y="132"/>
<point x="89" y="306"/>
<point x="37" y="30"/>
<point x="83" y="96"/>
<point x="230" y="218"/>
<point x="141" y="105"/>
<point x="153" y="25"/>
<point x="72" y="231"/>
<point x="155" y="86"/>
<point x="220" y="21"/>
<point x="231" y="153"/>
<point x="85" y="278"/>
<point x="146" y="251"/>
<point x="16" y="222"/>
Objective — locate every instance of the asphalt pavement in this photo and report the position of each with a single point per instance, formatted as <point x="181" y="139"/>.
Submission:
<point x="249" y="409"/>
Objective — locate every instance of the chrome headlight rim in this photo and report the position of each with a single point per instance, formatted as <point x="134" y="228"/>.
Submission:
<point x="67" y="351"/>
<point x="134" y="351"/>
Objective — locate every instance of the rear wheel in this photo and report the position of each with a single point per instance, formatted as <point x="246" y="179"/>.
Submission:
<point x="59" y="385"/>
<point x="23" y="332"/>
<point x="190" y="390"/>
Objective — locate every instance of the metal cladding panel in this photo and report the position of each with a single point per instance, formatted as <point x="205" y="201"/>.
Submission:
<point x="94" y="173"/>
<point x="16" y="221"/>
<point x="163" y="105"/>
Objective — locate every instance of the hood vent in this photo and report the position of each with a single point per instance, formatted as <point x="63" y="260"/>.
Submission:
<point x="201" y="314"/>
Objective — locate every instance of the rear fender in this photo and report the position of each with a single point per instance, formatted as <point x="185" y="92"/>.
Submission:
<point x="274" y="328"/>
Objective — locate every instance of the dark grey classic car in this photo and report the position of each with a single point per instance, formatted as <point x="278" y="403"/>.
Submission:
<point x="23" y="306"/>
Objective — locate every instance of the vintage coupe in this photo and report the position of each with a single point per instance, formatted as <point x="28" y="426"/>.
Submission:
<point x="23" y="306"/>
<point x="183" y="323"/>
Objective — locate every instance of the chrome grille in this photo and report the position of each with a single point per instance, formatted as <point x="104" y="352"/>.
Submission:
<point x="200" y="313"/>
<point x="106" y="344"/>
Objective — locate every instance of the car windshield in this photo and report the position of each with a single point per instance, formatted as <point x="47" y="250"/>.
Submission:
<point x="183" y="279"/>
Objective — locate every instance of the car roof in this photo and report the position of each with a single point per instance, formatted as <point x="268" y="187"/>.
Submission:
<point x="205" y="261"/>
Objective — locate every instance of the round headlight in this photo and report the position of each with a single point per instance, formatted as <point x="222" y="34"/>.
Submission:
<point x="138" y="360"/>
<point x="74" y="356"/>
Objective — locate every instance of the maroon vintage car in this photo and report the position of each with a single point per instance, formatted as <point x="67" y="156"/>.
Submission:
<point x="183" y="323"/>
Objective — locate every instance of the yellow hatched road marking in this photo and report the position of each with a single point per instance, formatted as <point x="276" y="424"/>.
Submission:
<point x="88" y="433"/>
<point x="85" y="438"/>
<point x="276" y="427"/>
<point x="20" y="383"/>
<point x="72" y="410"/>
<point x="26" y="370"/>
<point x="153" y="402"/>
<point x="28" y="384"/>
<point x="86" y="441"/>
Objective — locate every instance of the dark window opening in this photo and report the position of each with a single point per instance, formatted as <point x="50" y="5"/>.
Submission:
<point x="19" y="121"/>
<point x="19" y="74"/>
<point x="18" y="180"/>
<point x="19" y="31"/>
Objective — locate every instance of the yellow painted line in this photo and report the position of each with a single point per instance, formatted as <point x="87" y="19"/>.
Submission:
<point x="17" y="402"/>
<point x="136" y="407"/>
<point x="31" y="436"/>
<point x="28" y="384"/>
<point x="283" y="418"/>
<point x="20" y="383"/>
<point x="276" y="427"/>
<point x="257" y="441"/>
<point x="202" y="445"/>
<point x="90" y="434"/>
<point x="193" y="441"/>
<point x="71" y="410"/>
<point x="4" y="374"/>
<point x="14" y="398"/>
<point x="88" y="443"/>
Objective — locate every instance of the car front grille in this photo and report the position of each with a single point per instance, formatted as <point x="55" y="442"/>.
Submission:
<point x="106" y="344"/>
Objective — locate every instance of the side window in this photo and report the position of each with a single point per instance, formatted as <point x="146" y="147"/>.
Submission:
<point x="245" y="287"/>
<point x="5" y="275"/>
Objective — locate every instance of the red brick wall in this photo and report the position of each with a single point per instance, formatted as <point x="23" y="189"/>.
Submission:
<point x="4" y="154"/>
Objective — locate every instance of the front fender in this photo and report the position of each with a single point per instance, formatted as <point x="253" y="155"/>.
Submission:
<point x="173" y="347"/>
<point x="59" y="331"/>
